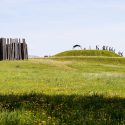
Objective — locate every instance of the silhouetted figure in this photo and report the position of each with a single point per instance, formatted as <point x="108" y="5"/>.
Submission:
<point x="97" y="48"/>
<point x="77" y="46"/>
<point x="103" y="48"/>
<point x="112" y="49"/>
<point x="107" y="48"/>
<point x="120" y="53"/>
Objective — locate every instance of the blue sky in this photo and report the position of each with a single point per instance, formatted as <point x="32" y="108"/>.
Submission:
<point x="52" y="26"/>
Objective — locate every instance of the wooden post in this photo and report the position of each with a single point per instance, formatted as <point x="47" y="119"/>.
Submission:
<point x="1" y="49"/>
<point x="19" y="47"/>
<point x="24" y="52"/>
<point x="7" y="49"/>
<point x="13" y="49"/>
<point x="16" y="49"/>
<point x="4" y="48"/>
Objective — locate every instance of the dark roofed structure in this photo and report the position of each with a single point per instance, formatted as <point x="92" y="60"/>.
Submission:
<point x="13" y="49"/>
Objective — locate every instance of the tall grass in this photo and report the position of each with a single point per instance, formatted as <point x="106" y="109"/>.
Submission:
<point x="34" y="109"/>
<point x="62" y="91"/>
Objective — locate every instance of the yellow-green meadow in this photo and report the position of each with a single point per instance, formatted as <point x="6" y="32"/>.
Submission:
<point x="63" y="91"/>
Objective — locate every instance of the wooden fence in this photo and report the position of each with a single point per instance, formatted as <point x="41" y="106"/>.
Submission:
<point x="13" y="49"/>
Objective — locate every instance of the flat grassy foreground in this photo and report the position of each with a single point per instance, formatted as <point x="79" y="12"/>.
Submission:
<point x="63" y="91"/>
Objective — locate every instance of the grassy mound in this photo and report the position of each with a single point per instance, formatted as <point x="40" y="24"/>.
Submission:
<point x="87" y="53"/>
<point x="91" y="59"/>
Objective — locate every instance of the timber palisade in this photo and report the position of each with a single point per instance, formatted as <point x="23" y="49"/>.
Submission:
<point x="13" y="49"/>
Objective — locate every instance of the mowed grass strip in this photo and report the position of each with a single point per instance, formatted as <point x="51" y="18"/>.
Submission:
<point x="63" y="91"/>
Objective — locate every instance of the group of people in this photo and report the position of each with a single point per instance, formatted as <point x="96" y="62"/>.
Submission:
<point x="120" y="53"/>
<point x="111" y="49"/>
<point x="107" y="48"/>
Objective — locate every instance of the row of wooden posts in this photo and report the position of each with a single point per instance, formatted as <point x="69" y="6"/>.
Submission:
<point x="13" y="49"/>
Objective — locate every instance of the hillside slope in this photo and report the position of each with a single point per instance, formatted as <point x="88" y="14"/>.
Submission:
<point x="68" y="91"/>
<point x="87" y="53"/>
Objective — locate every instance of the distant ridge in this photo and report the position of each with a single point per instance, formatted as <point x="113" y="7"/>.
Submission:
<point x="88" y="53"/>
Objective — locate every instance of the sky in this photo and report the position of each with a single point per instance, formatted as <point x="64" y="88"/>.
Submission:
<point x="52" y="26"/>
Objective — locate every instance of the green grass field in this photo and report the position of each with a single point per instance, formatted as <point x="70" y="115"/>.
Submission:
<point x="63" y="91"/>
<point x="87" y="53"/>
